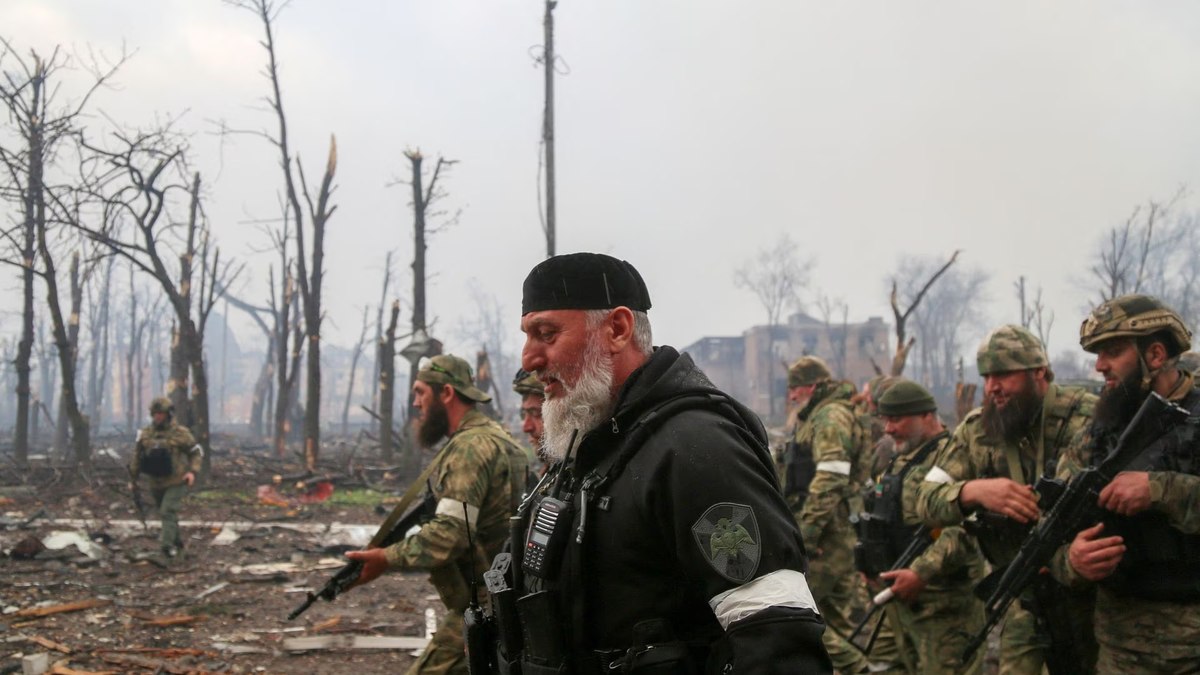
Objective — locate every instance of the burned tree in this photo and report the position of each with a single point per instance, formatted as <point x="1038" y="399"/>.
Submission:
<point x="310" y="273"/>
<point x="39" y="125"/>
<point x="386" y="356"/>
<point x="358" y="350"/>
<point x="903" y="342"/>
<point x="422" y="200"/>
<point x="139" y="182"/>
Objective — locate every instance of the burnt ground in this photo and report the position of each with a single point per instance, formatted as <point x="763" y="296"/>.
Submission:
<point x="210" y="611"/>
<point x="206" y="612"/>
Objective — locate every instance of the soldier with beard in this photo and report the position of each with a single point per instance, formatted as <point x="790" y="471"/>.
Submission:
<point x="678" y="554"/>
<point x="830" y="439"/>
<point x="936" y="613"/>
<point x="1145" y="555"/>
<point x="478" y="483"/>
<point x="983" y="478"/>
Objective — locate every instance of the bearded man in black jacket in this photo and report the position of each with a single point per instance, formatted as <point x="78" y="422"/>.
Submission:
<point x="681" y="555"/>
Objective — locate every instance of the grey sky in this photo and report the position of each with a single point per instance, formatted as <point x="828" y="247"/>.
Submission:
<point x="691" y="133"/>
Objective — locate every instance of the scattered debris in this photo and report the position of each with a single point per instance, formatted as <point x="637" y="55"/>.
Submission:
<point x="50" y="644"/>
<point x="167" y="621"/>
<point x="27" y="548"/>
<point x="304" y="644"/>
<point x="35" y="664"/>
<point x="155" y="665"/>
<point x="225" y="537"/>
<point x="212" y="589"/>
<point x="57" y="541"/>
<point x="327" y="624"/>
<point x="63" y="608"/>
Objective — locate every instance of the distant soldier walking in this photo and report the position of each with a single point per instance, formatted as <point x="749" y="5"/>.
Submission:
<point x="169" y="455"/>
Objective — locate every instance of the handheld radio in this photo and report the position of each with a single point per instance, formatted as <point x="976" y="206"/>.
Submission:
<point x="549" y="529"/>
<point x="475" y="624"/>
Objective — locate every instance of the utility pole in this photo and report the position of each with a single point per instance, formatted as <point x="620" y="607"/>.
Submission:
<point x="548" y="123"/>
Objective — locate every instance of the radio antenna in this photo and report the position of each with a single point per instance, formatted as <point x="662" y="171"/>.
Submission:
<point x="558" y="483"/>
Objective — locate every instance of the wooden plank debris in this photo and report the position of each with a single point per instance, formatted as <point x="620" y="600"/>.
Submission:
<point x="64" y="670"/>
<point x="63" y="608"/>
<point x="154" y="665"/>
<point x="50" y="644"/>
<point x="327" y="624"/>
<point x="174" y="620"/>
<point x="321" y="642"/>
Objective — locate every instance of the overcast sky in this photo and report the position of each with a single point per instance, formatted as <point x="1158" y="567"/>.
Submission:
<point x="690" y="134"/>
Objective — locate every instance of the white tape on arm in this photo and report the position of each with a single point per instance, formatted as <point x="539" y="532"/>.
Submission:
<point x="781" y="588"/>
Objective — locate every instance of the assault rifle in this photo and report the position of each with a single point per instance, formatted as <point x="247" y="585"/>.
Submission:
<point x="139" y="505"/>
<point x="922" y="539"/>
<point x="392" y="531"/>
<point x="1074" y="509"/>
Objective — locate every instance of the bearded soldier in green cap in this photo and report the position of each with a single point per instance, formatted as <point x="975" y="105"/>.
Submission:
<point x="934" y="612"/>
<point x="983" y="478"/>
<point x="1145" y="555"/>
<point x="827" y="466"/>
<point x="167" y="453"/>
<point x="478" y="482"/>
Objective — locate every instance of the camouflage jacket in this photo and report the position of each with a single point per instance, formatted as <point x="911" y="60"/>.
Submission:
<point x="971" y="454"/>
<point x="480" y="478"/>
<point x="173" y="444"/>
<point x="1169" y="629"/>
<point x="952" y="561"/>
<point x="831" y="428"/>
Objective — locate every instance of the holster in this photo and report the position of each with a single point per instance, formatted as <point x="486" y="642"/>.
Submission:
<point x="503" y="601"/>
<point x="542" y="634"/>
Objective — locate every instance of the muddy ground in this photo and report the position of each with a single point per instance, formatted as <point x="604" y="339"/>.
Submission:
<point x="207" y="612"/>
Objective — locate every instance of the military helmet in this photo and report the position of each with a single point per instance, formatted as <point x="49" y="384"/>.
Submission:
<point x="526" y="384"/>
<point x="808" y="370"/>
<point x="162" y="404"/>
<point x="1010" y="348"/>
<point x="1134" y="316"/>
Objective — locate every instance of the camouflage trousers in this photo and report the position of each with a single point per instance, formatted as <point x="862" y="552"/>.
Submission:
<point x="445" y="654"/>
<point x="839" y="591"/>
<point x="934" y="631"/>
<point x="1021" y="648"/>
<point x="168" y="500"/>
<point x="1112" y="660"/>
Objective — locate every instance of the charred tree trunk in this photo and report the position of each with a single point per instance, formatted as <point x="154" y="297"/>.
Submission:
<point x="386" y="357"/>
<point x="387" y="279"/>
<point x="65" y="338"/>
<point x="358" y="349"/>
<point x="34" y="204"/>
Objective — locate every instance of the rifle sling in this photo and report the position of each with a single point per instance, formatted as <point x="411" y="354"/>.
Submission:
<point x="406" y="499"/>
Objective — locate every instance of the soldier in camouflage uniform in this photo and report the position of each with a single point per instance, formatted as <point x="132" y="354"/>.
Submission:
<point x="1145" y="557"/>
<point x="936" y="613"/>
<point x="985" y="477"/>
<point x="478" y="483"/>
<point x="533" y="395"/>
<point x="830" y="440"/>
<point x="167" y="453"/>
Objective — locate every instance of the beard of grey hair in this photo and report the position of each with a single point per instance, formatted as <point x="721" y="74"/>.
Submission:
<point x="583" y="406"/>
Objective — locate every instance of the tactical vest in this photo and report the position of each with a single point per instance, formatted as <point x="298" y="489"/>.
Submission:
<point x="1160" y="562"/>
<point x="882" y="534"/>
<point x="801" y="467"/>
<point x="999" y="537"/>
<point x="539" y="645"/>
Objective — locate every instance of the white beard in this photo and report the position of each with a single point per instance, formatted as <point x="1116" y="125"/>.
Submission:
<point x="583" y="407"/>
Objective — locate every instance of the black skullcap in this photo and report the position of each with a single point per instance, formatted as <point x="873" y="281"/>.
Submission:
<point x="904" y="398"/>
<point x="584" y="281"/>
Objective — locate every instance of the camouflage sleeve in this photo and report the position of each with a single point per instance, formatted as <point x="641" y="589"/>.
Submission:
<point x="833" y="445"/>
<point x="195" y="453"/>
<point x="1072" y="460"/>
<point x="951" y="551"/>
<point x="461" y="483"/>
<point x="1177" y="495"/>
<point x="135" y="457"/>
<point x="935" y="500"/>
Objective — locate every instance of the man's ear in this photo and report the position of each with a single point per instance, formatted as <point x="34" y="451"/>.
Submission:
<point x="618" y="327"/>
<point x="446" y="394"/>
<point x="1155" y="355"/>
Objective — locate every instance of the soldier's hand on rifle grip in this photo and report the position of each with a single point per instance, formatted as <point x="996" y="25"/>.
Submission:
<point x="1095" y="558"/>
<point x="1128" y="494"/>
<point x="1001" y="495"/>
<point x="374" y="562"/>
<point x="906" y="584"/>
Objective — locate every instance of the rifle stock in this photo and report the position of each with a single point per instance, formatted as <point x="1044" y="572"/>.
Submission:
<point x="387" y="535"/>
<point x="1075" y="509"/>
